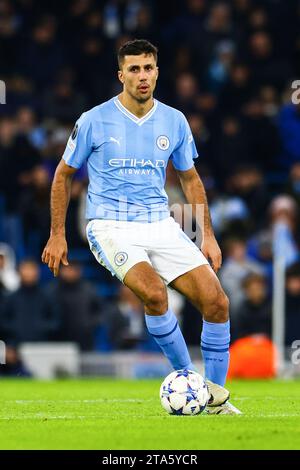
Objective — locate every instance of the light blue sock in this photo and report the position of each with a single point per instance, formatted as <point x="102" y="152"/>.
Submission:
<point x="166" y="332"/>
<point x="215" y="340"/>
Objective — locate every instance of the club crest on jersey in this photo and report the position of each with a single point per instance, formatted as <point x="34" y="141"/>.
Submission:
<point x="163" y="142"/>
<point x="121" y="258"/>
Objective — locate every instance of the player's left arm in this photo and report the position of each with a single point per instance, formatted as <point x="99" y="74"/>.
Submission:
<point x="195" y="194"/>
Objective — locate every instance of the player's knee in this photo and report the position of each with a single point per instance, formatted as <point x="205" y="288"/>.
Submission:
<point x="218" y="310"/>
<point x="156" y="301"/>
<point x="223" y="308"/>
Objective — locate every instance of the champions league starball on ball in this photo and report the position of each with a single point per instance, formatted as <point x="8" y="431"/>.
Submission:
<point x="184" y="392"/>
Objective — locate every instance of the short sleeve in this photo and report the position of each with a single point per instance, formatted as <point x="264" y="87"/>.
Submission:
<point x="184" y="153"/>
<point x="79" y="145"/>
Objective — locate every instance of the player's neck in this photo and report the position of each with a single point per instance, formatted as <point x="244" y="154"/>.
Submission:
<point x="136" y="108"/>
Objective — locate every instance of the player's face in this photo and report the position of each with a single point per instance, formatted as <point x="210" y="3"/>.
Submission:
<point x="138" y="75"/>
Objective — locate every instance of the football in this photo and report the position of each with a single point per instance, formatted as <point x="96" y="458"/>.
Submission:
<point x="184" y="392"/>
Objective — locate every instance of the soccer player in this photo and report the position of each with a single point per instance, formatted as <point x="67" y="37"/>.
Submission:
<point x="127" y="143"/>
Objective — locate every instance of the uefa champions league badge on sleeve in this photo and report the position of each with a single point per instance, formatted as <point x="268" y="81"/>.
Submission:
<point x="74" y="132"/>
<point x="121" y="258"/>
<point x="71" y="144"/>
<point x="163" y="142"/>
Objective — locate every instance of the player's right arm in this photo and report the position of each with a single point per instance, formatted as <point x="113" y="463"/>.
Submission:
<point x="56" y="250"/>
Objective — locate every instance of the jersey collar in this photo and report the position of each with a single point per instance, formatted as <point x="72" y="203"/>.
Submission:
<point x="138" y="121"/>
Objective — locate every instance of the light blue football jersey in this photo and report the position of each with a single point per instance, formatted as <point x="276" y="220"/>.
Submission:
<point x="127" y="159"/>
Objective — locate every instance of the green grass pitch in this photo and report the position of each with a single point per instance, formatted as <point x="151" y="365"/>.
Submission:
<point x="126" y="414"/>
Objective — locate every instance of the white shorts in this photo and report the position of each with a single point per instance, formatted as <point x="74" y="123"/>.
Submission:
<point x="119" y="245"/>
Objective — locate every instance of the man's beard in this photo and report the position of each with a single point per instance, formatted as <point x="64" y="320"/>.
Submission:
<point x="142" y="100"/>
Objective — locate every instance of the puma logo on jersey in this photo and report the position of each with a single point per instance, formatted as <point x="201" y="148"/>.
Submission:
<point x="113" y="139"/>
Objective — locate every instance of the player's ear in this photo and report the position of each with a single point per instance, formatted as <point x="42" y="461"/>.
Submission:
<point x="120" y="76"/>
<point x="157" y="72"/>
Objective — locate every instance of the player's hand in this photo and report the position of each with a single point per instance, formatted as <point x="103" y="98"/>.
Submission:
<point x="55" y="252"/>
<point x="212" y="252"/>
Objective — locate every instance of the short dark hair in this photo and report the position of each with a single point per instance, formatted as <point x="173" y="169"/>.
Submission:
<point x="293" y="270"/>
<point x="136" y="47"/>
<point x="253" y="277"/>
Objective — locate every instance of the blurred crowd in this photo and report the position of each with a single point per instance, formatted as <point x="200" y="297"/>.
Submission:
<point x="229" y="66"/>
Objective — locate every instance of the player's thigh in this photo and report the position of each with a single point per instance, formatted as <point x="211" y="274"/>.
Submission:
<point x="174" y="254"/>
<point x="201" y="287"/>
<point x="114" y="247"/>
<point x="146" y="284"/>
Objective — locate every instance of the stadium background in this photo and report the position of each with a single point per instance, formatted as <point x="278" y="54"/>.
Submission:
<point x="229" y="66"/>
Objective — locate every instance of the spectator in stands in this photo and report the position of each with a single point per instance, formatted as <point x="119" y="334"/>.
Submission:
<point x="79" y="306"/>
<point x="144" y="27"/>
<point x="254" y="313"/>
<point x="293" y="186"/>
<point x="186" y="90"/>
<point x="93" y="21"/>
<point x="292" y="304"/>
<point x="74" y="20"/>
<point x="9" y="37"/>
<point x="247" y="183"/>
<point x="218" y="69"/>
<point x="270" y="102"/>
<point x="43" y="48"/>
<point x="258" y="20"/>
<point x="237" y="90"/>
<point x="29" y="314"/>
<point x="217" y="26"/>
<point x="34" y="209"/>
<point x="207" y="105"/>
<point x="230" y="147"/>
<point x="236" y="267"/>
<point x="266" y="66"/>
<point x="26" y="121"/>
<point x="18" y="158"/>
<point x="262" y="134"/>
<point x="284" y="215"/>
<point x="280" y="235"/>
<point x="228" y="214"/>
<point x="63" y="102"/>
<point x="55" y="146"/>
<point x="201" y="136"/>
<point x="93" y="56"/>
<point x="183" y="28"/>
<point x="9" y="277"/>
<point x="120" y="17"/>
